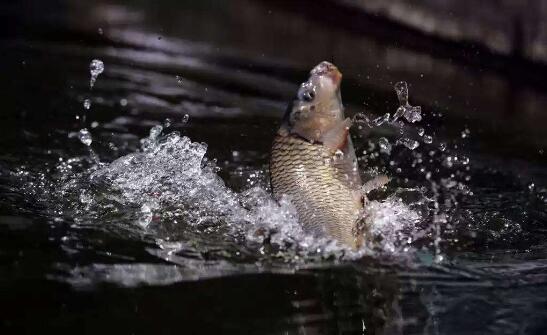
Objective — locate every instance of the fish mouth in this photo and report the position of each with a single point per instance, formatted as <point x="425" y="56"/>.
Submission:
<point x="329" y="70"/>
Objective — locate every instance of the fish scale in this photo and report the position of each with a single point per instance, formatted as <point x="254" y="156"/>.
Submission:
<point x="320" y="189"/>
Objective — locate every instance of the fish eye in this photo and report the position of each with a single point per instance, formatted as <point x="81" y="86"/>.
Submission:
<point x="308" y="96"/>
<point x="306" y="92"/>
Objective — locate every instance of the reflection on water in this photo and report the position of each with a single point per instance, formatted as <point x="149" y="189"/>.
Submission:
<point x="160" y="209"/>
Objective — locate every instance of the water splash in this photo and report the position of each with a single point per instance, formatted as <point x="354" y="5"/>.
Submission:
<point x="170" y="189"/>
<point x="411" y="113"/>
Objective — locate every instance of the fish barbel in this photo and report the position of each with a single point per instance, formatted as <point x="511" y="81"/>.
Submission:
<point x="313" y="160"/>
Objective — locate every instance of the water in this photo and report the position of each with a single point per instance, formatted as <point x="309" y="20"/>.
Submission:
<point x="95" y="69"/>
<point x="157" y="204"/>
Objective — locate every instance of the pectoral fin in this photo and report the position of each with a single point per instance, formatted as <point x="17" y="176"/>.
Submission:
<point x="336" y="138"/>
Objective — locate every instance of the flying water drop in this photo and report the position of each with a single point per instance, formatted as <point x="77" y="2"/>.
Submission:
<point x="442" y="146"/>
<point x="85" y="136"/>
<point x="401" y="88"/>
<point x="95" y="68"/>
<point x="409" y="143"/>
<point x="411" y="113"/>
<point x="381" y="120"/>
<point x="87" y="104"/>
<point x="185" y="119"/>
<point x="385" y="146"/>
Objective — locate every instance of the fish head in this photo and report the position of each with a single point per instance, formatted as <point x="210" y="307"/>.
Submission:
<point x="318" y="106"/>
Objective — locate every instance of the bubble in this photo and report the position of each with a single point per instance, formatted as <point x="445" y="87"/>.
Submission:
<point x="95" y="68"/>
<point x="421" y="131"/>
<point x="167" y="123"/>
<point x="100" y="31"/>
<point x="85" y="137"/>
<point x="465" y="133"/>
<point x="428" y="139"/>
<point x="123" y="102"/>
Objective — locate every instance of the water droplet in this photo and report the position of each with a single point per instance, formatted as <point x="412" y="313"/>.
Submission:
<point x="146" y="215"/>
<point x="442" y="146"/>
<point x="167" y="123"/>
<point x="100" y="31"/>
<point x="465" y="133"/>
<point x="409" y="143"/>
<point x="465" y="160"/>
<point x="531" y="186"/>
<point x="381" y="120"/>
<point x="413" y="114"/>
<point x="155" y="132"/>
<point x="85" y="137"/>
<point x="95" y="68"/>
<point x="400" y="112"/>
<point x="421" y="131"/>
<point x="401" y="88"/>
<point x="428" y="139"/>
<point x="123" y="102"/>
<point x="87" y="104"/>
<point x="94" y="124"/>
<point x="361" y="118"/>
<point x="185" y="119"/>
<point x="179" y="79"/>
<point x="384" y="145"/>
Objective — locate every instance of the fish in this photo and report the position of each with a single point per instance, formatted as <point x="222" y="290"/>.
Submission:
<point x="313" y="161"/>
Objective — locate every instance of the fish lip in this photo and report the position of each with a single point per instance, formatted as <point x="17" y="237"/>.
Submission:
<point x="329" y="70"/>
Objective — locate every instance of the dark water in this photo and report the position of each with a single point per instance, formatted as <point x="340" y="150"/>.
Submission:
<point x="163" y="241"/>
